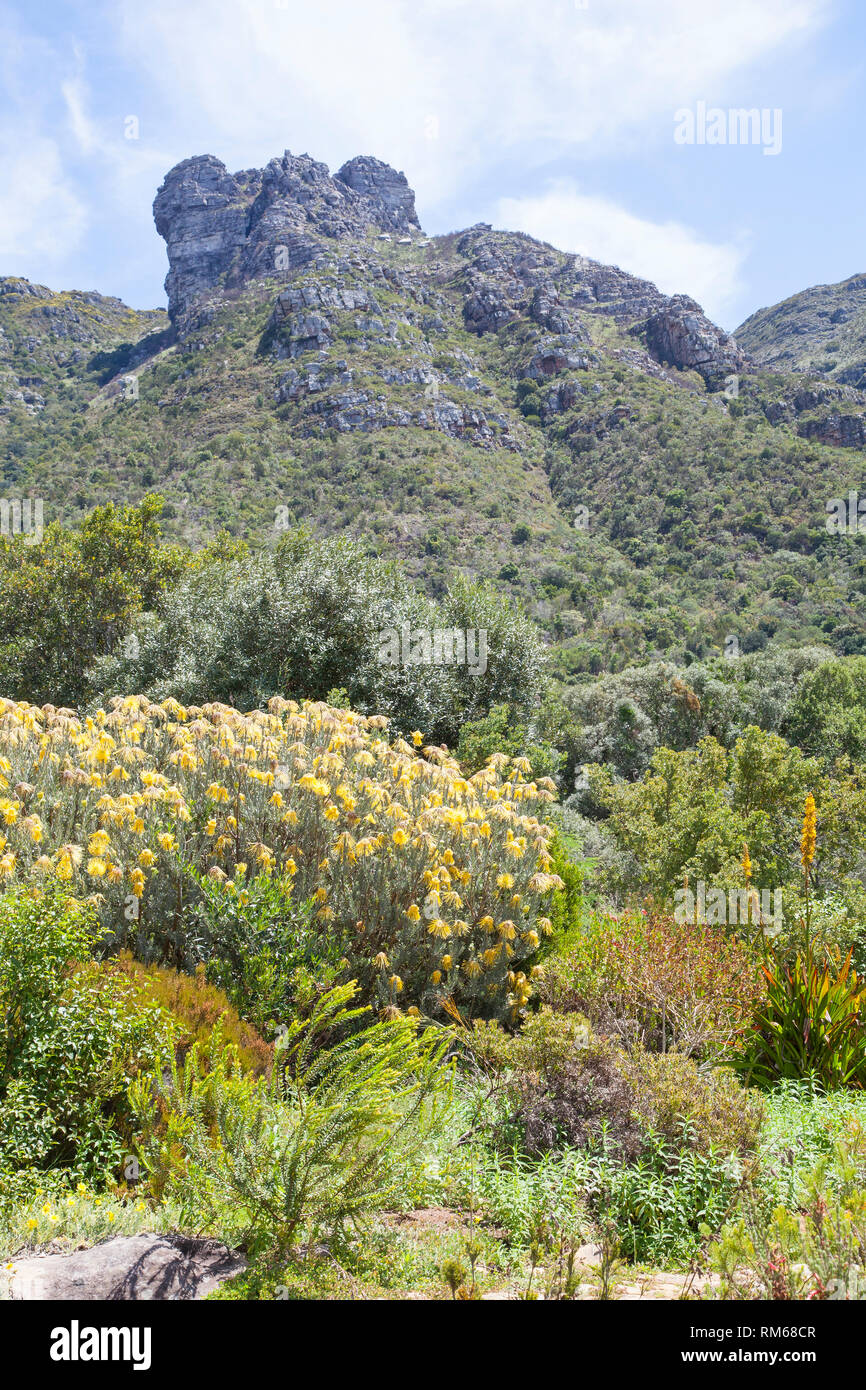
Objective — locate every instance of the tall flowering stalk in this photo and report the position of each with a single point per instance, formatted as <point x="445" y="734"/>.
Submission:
<point x="807" y="852"/>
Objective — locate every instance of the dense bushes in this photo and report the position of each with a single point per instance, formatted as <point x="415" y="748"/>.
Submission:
<point x="564" y="1086"/>
<point x="312" y="616"/>
<point x="70" y="599"/>
<point x="431" y="886"/>
<point x="73" y="1036"/>
<point x="325" y="1141"/>
<point x="691" y="812"/>
<point x="657" y="982"/>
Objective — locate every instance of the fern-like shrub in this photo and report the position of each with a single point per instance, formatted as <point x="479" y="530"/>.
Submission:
<point x="303" y="1155"/>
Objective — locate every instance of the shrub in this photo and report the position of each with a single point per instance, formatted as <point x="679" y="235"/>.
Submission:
<point x="73" y="1037"/>
<point x="432" y="884"/>
<point x="704" y="1109"/>
<point x="315" y="615"/>
<point x="259" y="945"/>
<point x="651" y="980"/>
<point x="71" y="598"/>
<point x="327" y="1140"/>
<point x="566" y="1088"/>
<point x="197" y="1008"/>
<point x="814" y="1252"/>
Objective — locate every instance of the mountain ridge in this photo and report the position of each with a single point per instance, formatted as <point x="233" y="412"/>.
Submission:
<point x="478" y="401"/>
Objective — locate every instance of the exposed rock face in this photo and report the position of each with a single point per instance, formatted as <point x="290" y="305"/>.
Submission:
<point x="820" y="330"/>
<point x="682" y="335"/>
<point x="832" y="425"/>
<point x="364" y="298"/>
<point x="41" y="331"/>
<point x="145" y="1267"/>
<point x="384" y="187"/>
<point x="845" y="431"/>
<point x="223" y="229"/>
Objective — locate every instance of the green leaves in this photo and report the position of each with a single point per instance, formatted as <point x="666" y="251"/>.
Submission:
<point x="72" y="1036"/>
<point x="811" y="1025"/>
<point x="329" y="1137"/>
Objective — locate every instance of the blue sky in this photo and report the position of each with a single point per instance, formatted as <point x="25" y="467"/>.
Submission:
<point x="555" y="117"/>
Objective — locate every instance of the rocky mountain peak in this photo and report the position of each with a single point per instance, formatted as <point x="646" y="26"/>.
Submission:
<point x="384" y="187"/>
<point x="223" y="229"/>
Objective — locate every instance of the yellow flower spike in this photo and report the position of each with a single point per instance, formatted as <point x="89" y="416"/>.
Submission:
<point x="413" y="912"/>
<point x="417" y="738"/>
<point x="808" y="839"/>
<point x="436" y="976"/>
<point x="446" y="962"/>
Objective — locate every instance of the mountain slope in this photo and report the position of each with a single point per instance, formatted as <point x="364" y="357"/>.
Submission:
<point x="821" y="330"/>
<point x="477" y="401"/>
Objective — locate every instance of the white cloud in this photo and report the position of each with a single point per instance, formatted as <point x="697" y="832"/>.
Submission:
<point x="499" y="76"/>
<point x="673" y="256"/>
<point x="41" y="215"/>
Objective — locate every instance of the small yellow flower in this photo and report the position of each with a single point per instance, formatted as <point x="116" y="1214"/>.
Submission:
<point x="413" y="912"/>
<point x="417" y="738"/>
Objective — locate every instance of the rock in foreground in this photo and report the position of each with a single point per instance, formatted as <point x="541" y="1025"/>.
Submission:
<point x="129" y="1268"/>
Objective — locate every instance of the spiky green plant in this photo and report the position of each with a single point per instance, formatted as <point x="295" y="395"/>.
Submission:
<point x="811" y="1024"/>
<point x="330" y="1136"/>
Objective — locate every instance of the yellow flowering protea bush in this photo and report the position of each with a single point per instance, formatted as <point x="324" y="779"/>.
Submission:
<point x="434" y="883"/>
